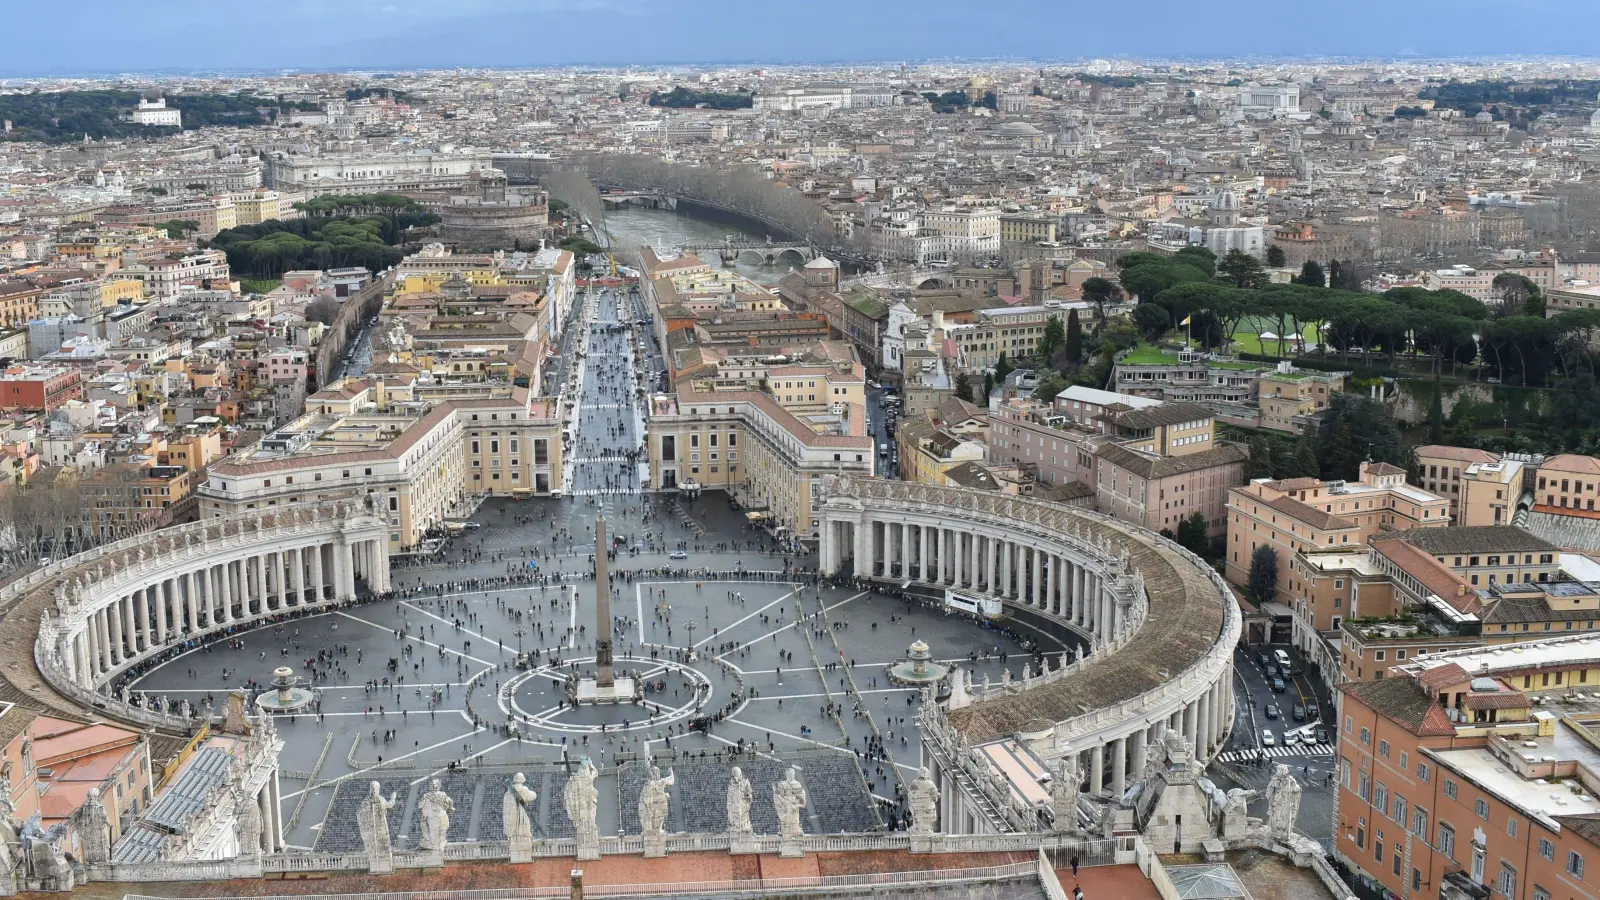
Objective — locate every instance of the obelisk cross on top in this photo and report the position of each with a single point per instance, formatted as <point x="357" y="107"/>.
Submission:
<point x="603" y="677"/>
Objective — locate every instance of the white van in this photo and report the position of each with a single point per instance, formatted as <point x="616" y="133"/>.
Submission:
<point x="1281" y="657"/>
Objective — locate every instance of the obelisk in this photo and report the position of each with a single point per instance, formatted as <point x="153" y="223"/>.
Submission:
<point x="603" y="678"/>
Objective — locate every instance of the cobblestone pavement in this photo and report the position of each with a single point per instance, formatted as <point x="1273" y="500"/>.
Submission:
<point x="417" y="683"/>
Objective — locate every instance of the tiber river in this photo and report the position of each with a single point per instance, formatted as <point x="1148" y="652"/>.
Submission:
<point x="663" y="229"/>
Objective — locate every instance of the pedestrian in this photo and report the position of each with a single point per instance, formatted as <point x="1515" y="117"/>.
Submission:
<point x="1074" y="865"/>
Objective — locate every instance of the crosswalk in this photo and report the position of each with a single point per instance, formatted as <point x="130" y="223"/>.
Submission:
<point x="687" y="520"/>
<point x="1278" y="752"/>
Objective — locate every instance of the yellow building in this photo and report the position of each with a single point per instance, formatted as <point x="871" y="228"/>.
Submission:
<point x="1290" y="397"/>
<point x="747" y="444"/>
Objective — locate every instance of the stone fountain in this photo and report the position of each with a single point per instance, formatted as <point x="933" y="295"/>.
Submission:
<point x="286" y="695"/>
<point x="918" y="668"/>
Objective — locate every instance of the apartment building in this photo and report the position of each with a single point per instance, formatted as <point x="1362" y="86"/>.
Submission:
<point x="416" y="458"/>
<point x="1473" y="774"/>
<point x="1010" y="331"/>
<point x="748" y="444"/>
<point x="1306" y="515"/>
<point x="1440" y="470"/>
<point x="1291" y="398"/>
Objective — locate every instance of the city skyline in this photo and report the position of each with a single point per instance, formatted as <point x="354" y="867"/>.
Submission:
<point x="412" y="34"/>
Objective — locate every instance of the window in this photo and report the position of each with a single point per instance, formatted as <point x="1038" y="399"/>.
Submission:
<point x="1507" y="882"/>
<point x="1481" y="807"/>
<point x="1575" y="863"/>
<point x="1403" y="764"/>
<point x="1380" y="799"/>
<point x="1547" y="849"/>
<point x="1450" y="789"/>
<point x="1419" y="823"/>
<point x="1383" y="749"/>
<point x="1540" y="893"/>
<point x="1447" y="840"/>
<point x="1422" y="771"/>
<point x="1366" y="736"/>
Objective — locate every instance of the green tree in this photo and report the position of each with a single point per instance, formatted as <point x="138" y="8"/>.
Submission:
<point x="1052" y="341"/>
<point x="963" y="387"/>
<point x="1311" y="274"/>
<point x="1002" y="367"/>
<point x="1074" y="338"/>
<point x="1262" y="582"/>
<point x="1357" y="428"/>
<point x="1193" y="533"/>
<point x="1197" y="257"/>
<point x="1100" y="292"/>
<point x="1259" y="465"/>
<point x="1152" y="319"/>
<point x="1275" y="257"/>
<point x="1241" y="270"/>
<point x="1304" y="462"/>
<point x="988" y="384"/>
<point x="1049" y="386"/>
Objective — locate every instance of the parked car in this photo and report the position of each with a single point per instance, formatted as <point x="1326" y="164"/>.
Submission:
<point x="1299" y="713"/>
<point x="1277" y="685"/>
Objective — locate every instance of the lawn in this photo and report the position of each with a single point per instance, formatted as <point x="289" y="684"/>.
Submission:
<point x="259" y="285"/>
<point x="1148" y="355"/>
<point x="1246" y="338"/>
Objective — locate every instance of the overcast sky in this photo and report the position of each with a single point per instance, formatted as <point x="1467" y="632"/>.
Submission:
<point x="38" y="37"/>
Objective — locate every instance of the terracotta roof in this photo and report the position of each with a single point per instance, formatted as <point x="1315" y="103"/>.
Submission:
<point x="1148" y="466"/>
<point x="1585" y="826"/>
<point x="1383" y="468"/>
<point x="1458" y="454"/>
<point x="1442" y="677"/>
<point x="1300" y="511"/>
<point x="1403" y="702"/>
<point x="1574" y="463"/>
<point x="1432" y="574"/>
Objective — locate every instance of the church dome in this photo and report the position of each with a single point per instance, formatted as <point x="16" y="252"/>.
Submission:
<point x="822" y="262"/>
<point x="1483" y="116"/>
<point x="1343" y="117"/>
<point x="1017" y="129"/>
<point x="1227" y="201"/>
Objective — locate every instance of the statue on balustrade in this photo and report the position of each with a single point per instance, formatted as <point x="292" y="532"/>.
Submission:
<point x="1064" y="790"/>
<point x="924" y="804"/>
<point x="44" y="862"/>
<point x="1283" y="804"/>
<point x="247" y="823"/>
<point x="373" y="821"/>
<point x="653" y="801"/>
<point x="516" y="820"/>
<point x="789" y="798"/>
<point x="94" y="830"/>
<point x="434" y="810"/>
<point x="582" y="802"/>
<point x="740" y="795"/>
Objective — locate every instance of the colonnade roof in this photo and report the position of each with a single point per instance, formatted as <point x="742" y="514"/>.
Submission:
<point x="1184" y="623"/>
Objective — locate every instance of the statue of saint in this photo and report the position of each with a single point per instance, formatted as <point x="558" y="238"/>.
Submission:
<point x="247" y="824"/>
<point x="739" y="797"/>
<point x="789" y="798"/>
<point x="924" y="804"/>
<point x="1064" y="790"/>
<point x="434" y="810"/>
<point x="582" y="802"/>
<point x="514" y="810"/>
<point x="1283" y="804"/>
<point x="653" y="800"/>
<point x="94" y="830"/>
<point x="373" y="821"/>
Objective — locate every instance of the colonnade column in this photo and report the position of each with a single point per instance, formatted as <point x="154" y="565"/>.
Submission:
<point x="924" y="562"/>
<point x="1097" y="769"/>
<point x="1119" y="766"/>
<point x="1140" y="737"/>
<point x="297" y="576"/>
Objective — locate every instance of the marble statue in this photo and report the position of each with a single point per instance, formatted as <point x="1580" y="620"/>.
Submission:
<point x="1283" y="804"/>
<point x="1064" y="790"/>
<point x="94" y="830"/>
<point x="247" y="823"/>
<point x="740" y="795"/>
<point x="924" y="804"/>
<point x="789" y="798"/>
<point x="44" y="862"/>
<point x="373" y="820"/>
<point x="515" y="818"/>
<point x="1155" y="758"/>
<point x="1235" y="812"/>
<point x="653" y="801"/>
<point x="434" y="811"/>
<point x="514" y="809"/>
<point x="582" y="802"/>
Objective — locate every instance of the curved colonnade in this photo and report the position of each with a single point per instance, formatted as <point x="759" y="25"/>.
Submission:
<point x="93" y="616"/>
<point x="1161" y="623"/>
